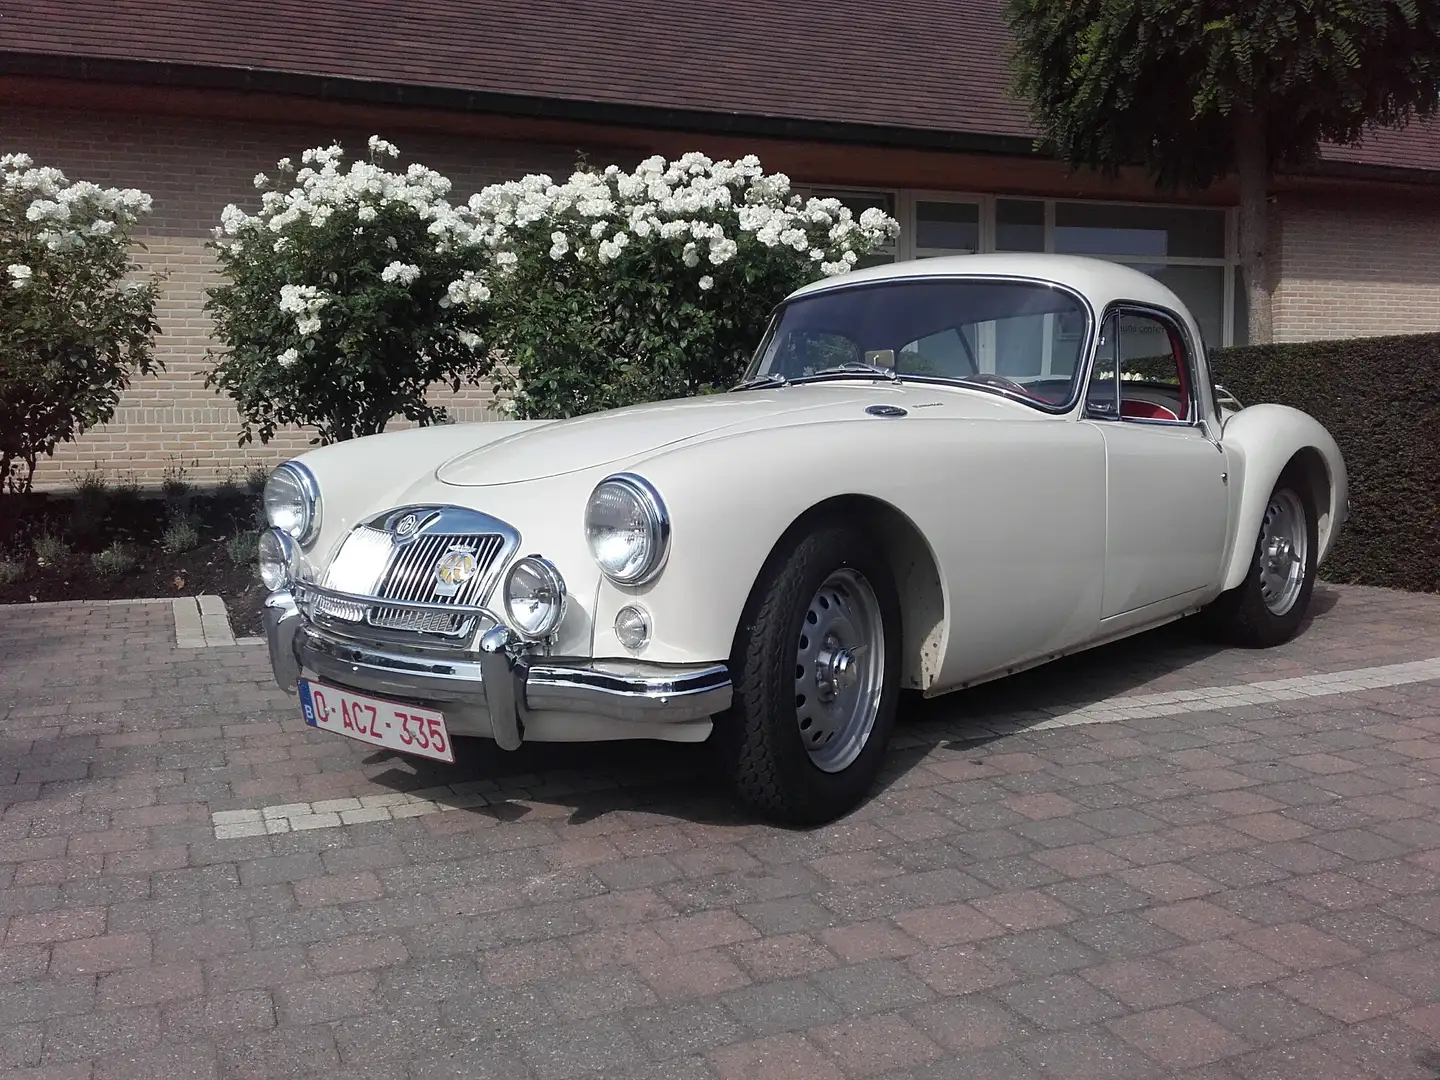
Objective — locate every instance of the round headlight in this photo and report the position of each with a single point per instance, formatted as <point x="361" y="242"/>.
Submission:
<point x="627" y="529"/>
<point x="276" y="557"/>
<point x="292" y="501"/>
<point x="534" y="597"/>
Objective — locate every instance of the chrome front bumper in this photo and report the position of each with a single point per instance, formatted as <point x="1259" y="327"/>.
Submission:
<point x="506" y="681"/>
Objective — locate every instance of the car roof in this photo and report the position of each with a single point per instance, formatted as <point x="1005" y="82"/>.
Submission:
<point x="1099" y="280"/>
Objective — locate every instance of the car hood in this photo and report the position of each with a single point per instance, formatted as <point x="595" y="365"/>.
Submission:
<point x="622" y="435"/>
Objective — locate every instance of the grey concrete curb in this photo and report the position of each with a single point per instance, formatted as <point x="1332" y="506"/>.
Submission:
<point x="202" y="623"/>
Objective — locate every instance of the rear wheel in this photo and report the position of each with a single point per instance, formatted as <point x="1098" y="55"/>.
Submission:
<point x="815" y="668"/>
<point x="1268" y="607"/>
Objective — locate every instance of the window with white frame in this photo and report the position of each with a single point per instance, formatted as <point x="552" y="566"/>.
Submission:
<point x="1189" y="249"/>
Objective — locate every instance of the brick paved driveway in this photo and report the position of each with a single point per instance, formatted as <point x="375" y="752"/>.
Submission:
<point x="1155" y="860"/>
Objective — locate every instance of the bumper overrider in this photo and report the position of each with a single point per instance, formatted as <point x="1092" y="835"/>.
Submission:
<point x="508" y="679"/>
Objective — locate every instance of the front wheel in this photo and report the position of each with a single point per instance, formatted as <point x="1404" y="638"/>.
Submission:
<point x="1268" y="607"/>
<point x="816" y="673"/>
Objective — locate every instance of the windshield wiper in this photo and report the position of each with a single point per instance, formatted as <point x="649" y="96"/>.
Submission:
<point x="852" y="368"/>
<point x="760" y="381"/>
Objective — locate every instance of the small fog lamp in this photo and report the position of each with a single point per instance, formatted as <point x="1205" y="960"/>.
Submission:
<point x="534" y="597"/>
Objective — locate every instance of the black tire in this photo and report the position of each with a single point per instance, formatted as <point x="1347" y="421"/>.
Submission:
<point x="759" y="738"/>
<point x="1241" y="616"/>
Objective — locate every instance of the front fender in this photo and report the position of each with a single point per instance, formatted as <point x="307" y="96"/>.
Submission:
<point x="1260" y="442"/>
<point x="361" y="476"/>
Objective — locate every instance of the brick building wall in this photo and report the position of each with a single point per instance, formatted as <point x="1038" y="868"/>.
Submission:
<point x="193" y="169"/>
<point x="1356" y="267"/>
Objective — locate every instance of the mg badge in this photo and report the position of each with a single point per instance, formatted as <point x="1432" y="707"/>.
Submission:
<point x="455" y="567"/>
<point x="408" y="524"/>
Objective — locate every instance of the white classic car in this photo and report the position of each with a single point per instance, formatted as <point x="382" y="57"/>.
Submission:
<point x="934" y="474"/>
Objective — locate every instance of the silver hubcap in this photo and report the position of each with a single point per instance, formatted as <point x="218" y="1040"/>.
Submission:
<point x="839" y="670"/>
<point x="1284" y="544"/>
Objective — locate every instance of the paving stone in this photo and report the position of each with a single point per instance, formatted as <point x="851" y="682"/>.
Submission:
<point x="1220" y="886"/>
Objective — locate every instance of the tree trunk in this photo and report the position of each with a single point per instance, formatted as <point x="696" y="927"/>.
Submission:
<point x="1252" y="159"/>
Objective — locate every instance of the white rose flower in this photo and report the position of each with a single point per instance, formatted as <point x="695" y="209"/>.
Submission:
<point x="707" y="283"/>
<point x="403" y="273"/>
<point x="261" y="180"/>
<point x="287" y="358"/>
<point x="20" y="274"/>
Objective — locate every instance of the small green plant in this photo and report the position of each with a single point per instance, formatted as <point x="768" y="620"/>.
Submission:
<point x="127" y="488"/>
<point x="229" y="487"/>
<point x="180" y="535"/>
<point x="256" y="478"/>
<point x="174" y="486"/>
<point x="90" y="486"/>
<point x="240" y="548"/>
<point x="50" y="549"/>
<point x="114" y="560"/>
<point x="92" y="499"/>
<point x="11" y="571"/>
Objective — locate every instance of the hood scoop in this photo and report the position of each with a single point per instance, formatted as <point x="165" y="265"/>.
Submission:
<point x="886" y="410"/>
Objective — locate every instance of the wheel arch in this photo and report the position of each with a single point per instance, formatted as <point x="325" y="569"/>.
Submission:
<point x="1275" y="441"/>
<point x="913" y="566"/>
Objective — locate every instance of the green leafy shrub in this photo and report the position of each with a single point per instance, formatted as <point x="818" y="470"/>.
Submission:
<point x="615" y="288"/>
<point x="241" y="548"/>
<point x="115" y="560"/>
<point x="50" y="549"/>
<point x="1380" y="400"/>
<point x="180" y="536"/>
<point x="11" y="571"/>
<point x="75" y="323"/>
<point x="335" y="311"/>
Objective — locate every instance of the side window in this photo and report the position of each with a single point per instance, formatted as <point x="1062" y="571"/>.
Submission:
<point x="1154" y="382"/>
<point x="1154" y="378"/>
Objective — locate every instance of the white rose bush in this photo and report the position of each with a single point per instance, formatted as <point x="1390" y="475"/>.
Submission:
<point x="76" y="320"/>
<point x="354" y="291"/>
<point x="335" y="310"/>
<point x="621" y="287"/>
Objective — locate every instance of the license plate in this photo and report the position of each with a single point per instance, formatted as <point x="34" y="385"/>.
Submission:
<point x="406" y="728"/>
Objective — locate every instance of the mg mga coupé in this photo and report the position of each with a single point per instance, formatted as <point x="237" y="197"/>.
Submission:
<point x="934" y="474"/>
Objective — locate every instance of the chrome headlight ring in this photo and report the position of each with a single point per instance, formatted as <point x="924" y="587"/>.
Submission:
<point x="275" y="555"/>
<point x="292" y="501"/>
<point x="627" y="529"/>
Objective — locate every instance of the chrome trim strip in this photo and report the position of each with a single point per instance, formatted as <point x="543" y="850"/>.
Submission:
<point x="304" y="588"/>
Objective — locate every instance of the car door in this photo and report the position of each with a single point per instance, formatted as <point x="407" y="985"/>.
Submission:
<point x="1167" y="496"/>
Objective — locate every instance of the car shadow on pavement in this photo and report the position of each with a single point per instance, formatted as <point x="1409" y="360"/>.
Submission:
<point x="676" y="780"/>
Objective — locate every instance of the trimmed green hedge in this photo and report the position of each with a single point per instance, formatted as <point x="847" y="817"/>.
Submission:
<point x="1380" y="399"/>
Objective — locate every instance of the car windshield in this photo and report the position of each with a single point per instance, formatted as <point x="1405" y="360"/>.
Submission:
<point x="1021" y="338"/>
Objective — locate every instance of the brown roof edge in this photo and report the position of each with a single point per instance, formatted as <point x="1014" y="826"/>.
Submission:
<point x="375" y="92"/>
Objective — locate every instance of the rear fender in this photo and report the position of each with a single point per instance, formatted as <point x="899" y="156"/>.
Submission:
<point x="1262" y="441"/>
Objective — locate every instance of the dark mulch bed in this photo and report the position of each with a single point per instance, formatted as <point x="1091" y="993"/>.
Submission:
<point x="126" y="528"/>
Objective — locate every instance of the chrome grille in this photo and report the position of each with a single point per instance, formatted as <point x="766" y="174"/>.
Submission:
<point x="411" y="573"/>
<point x="375" y="563"/>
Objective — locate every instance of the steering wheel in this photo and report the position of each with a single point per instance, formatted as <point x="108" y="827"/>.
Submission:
<point x="1000" y="381"/>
